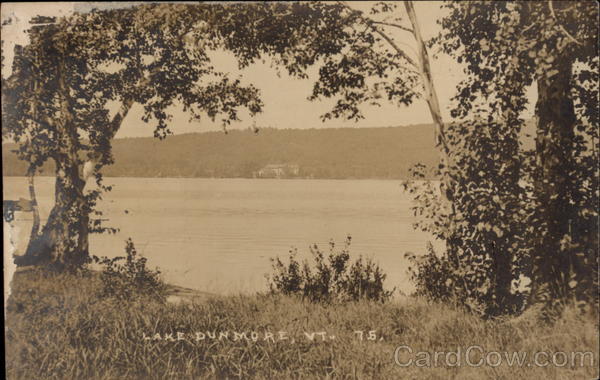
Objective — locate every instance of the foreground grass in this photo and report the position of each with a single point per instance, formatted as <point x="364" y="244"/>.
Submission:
<point x="57" y="327"/>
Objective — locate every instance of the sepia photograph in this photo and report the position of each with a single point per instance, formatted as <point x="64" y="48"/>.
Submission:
<point x="301" y="190"/>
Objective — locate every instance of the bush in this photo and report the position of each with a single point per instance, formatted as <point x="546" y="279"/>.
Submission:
<point x="331" y="279"/>
<point x="130" y="279"/>
<point x="438" y="279"/>
<point x="431" y="275"/>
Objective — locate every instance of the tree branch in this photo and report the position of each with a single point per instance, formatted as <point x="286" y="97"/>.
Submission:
<point x="115" y="124"/>
<point x="395" y="46"/>
<point x="569" y="36"/>
<point x="393" y="25"/>
<point x="371" y="24"/>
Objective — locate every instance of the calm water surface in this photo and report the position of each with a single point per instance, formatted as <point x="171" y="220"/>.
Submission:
<point x="217" y="235"/>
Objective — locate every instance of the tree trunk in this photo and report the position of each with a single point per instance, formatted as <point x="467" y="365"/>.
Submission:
<point x="35" y="228"/>
<point x="63" y="241"/>
<point x="502" y="279"/>
<point x="446" y="184"/>
<point x="552" y="260"/>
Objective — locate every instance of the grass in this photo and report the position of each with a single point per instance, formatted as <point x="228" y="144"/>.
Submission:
<point x="58" y="328"/>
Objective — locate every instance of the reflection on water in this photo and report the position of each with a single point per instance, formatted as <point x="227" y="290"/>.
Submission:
<point x="217" y="234"/>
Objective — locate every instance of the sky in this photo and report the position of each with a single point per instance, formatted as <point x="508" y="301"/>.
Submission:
<point x="285" y="98"/>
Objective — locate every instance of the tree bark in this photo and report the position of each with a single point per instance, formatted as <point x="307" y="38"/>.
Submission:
<point x="552" y="262"/>
<point x="35" y="228"/>
<point x="63" y="241"/>
<point x="502" y="278"/>
<point x="446" y="183"/>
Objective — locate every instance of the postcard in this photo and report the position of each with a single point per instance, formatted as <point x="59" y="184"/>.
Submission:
<point x="300" y="190"/>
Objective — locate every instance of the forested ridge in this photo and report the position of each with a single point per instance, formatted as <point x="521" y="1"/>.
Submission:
<point x="382" y="152"/>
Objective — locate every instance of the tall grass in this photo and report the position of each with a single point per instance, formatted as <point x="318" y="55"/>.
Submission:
<point x="58" y="327"/>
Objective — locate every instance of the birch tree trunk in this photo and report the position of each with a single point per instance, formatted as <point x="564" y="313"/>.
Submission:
<point x="434" y="105"/>
<point x="35" y="228"/>
<point x="425" y="66"/>
<point x="446" y="183"/>
<point x="63" y="241"/>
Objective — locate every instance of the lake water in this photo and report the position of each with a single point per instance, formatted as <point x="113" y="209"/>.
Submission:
<point x="217" y="235"/>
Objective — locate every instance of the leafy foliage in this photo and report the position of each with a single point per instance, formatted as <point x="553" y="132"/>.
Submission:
<point x="127" y="277"/>
<point x="433" y="277"/>
<point x="514" y="211"/>
<point x="487" y="245"/>
<point x="331" y="279"/>
<point x="56" y="102"/>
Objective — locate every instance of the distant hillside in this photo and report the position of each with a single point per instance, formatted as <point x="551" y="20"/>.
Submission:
<point x="386" y="152"/>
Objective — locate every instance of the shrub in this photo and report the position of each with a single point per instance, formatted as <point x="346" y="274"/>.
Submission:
<point x="438" y="279"/>
<point x="431" y="275"/>
<point x="332" y="278"/>
<point x="131" y="278"/>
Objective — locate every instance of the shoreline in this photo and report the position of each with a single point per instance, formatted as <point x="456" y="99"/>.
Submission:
<point x="175" y="293"/>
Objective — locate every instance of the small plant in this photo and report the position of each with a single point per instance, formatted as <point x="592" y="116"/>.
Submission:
<point x="131" y="278"/>
<point x="432" y="276"/>
<point x="331" y="279"/>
